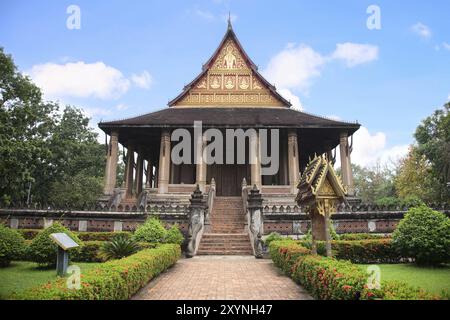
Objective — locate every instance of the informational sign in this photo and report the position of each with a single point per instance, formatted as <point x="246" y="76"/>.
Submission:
<point x="63" y="240"/>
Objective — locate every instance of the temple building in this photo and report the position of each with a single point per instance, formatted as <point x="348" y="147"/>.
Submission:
<point x="229" y="93"/>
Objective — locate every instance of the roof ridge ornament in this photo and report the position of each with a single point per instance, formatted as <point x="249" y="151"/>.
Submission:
<point x="230" y="27"/>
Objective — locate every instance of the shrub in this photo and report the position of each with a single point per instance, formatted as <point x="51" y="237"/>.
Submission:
<point x="101" y="236"/>
<point x="90" y="251"/>
<point x="174" y="235"/>
<point x="361" y="236"/>
<point x="424" y="234"/>
<point x="360" y="251"/>
<point x="113" y="280"/>
<point x="43" y="250"/>
<point x="274" y="236"/>
<point x="329" y="279"/>
<point x="396" y="290"/>
<point x="151" y="231"/>
<point x="12" y="245"/>
<point x="30" y="234"/>
<point x="119" y="247"/>
<point x="284" y="254"/>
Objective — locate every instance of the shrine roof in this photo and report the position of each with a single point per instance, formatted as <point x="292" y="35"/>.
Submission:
<point x="230" y="117"/>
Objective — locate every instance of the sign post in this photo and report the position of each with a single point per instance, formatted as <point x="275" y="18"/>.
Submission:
<point x="64" y="243"/>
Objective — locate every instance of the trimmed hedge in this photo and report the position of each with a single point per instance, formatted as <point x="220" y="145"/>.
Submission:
<point x="284" y="253"/>
<point x="328" y="278"/>
<point x="360" y="251"/>
<point x="113" y="280"/>
<point x="30" y="234"/>
<point x="362" y="236"/>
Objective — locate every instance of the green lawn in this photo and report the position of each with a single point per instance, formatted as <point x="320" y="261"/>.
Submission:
<point x="431" y="279"/>
<point x="22" y="275"/>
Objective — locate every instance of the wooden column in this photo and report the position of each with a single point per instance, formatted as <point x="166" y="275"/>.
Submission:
<point x="293" y="159"/>
<point x="111" y="163"/>
<point x="200" y="170"/>
<point x="164" y="163"/>
<point x="139" y="175"/>
<point x="129" y="171"/>
<point x="256" y="163"/>
<point x="346" y="168"/>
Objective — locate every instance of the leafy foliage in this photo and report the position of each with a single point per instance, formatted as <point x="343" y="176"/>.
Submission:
<point x="43" y="152"/>
<point x="12" y="245"/>
<point x="424" y="234"/>
<point x="174" y="235"/>
<point x="372" y="184"/>
<point x="43" y="250"/>
<point x="151" y="231"/>
<point x="331" y="279"/>
<point x="112" y="280"/>
<point x="119" y="247"/>
<point x="415" y="181"/>
<point x="433" y="139"/>
<point x="273" y="236"/>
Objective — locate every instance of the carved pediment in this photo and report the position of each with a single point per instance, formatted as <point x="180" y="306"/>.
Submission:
<point x="229" y="78"/>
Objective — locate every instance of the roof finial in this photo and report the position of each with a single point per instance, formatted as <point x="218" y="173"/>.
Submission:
<point x="229" y="20"/>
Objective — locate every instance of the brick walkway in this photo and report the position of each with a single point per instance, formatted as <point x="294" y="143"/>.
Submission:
<point x="222" y="278"/>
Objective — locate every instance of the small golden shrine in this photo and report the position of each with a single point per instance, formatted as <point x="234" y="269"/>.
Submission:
<point x="320" y="191"/>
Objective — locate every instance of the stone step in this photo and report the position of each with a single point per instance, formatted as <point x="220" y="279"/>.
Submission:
<point x="225" y="253"/>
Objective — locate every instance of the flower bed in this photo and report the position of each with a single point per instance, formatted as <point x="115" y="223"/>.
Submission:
<point x="284" y="253"/>
<point x="113" y="280"/>
<point x="328" y="278"/>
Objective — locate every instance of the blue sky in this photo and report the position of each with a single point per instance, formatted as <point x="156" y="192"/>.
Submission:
<point x="132" y="57"/>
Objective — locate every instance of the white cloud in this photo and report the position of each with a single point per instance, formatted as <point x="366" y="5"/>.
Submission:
<point x="421" y="30"/>
<point x="143" y="80"/>
<point x="92" y="112"/>
<point x="295" y="100"/>
<point x="354" y="54"/>
<point x="122" y="107"/>
<point x="205" y="15"/>
<point x="295" y="67"/>
<point x="370" y="149"/>
<point x="85" y="80"/>
<point x="80" y="79"/>
<point x="446" y="46"/>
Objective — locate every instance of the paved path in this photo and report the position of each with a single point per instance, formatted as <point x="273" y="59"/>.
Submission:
<point x="222" y="278"/>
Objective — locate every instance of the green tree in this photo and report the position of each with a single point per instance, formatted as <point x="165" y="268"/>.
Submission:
<point x="374" y="183"/>
<point x="25" y="125"/>
<point x="433" y="139"/>
<point x="415" y="178"/>
<point x="43" y="152"/>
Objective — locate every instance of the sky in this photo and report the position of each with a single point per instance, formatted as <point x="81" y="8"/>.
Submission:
<point x="385" y="64"/>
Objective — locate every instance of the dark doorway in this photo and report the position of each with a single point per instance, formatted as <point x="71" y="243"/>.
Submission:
<point x="228" y="178"/>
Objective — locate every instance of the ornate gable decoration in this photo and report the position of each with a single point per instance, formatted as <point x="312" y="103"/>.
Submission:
<point x="231" y="79"/>
<point x="320" y="182"/>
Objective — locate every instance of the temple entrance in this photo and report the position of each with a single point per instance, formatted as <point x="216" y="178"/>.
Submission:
<point x="228" y="178"/>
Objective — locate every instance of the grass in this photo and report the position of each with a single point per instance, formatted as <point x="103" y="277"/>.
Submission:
<point x="434" y="280"/>
<point x="21" y="275"/>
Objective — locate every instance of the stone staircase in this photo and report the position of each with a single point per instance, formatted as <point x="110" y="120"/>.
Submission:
<point x="227" y="235"/>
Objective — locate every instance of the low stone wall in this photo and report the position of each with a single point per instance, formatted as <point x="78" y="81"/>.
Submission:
<point x="91" y="221"/>
<point x="286" y="223"/>
<point x="344" y="222"/>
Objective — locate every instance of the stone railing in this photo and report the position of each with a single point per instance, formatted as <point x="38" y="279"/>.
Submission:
<point x="196" y="222"/>
<point x="210" y="203"/>
<point x="255" y="221"/>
